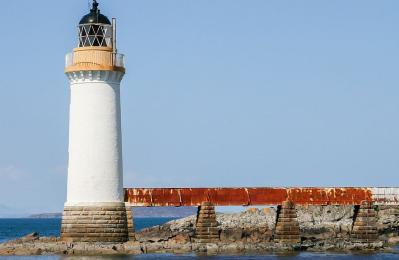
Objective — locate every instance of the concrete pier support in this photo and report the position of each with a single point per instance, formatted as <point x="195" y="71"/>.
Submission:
<point x="287" y="226"/>
<point x="130" y="223"/>
<point x="102" y="223"/>
<point x="364" y="228"/>
<point x="206" y="227"/>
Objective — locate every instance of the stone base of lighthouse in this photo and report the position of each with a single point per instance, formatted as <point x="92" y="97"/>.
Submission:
<point x="95" y="223"/>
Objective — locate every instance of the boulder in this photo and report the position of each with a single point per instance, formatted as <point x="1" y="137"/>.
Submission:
<point x="231" y="234"/>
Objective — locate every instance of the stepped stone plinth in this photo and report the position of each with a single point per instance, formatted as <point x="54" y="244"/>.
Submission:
<point x="95" y="223"/>
<point x="206" y="227"/>
<point x="130" y="223"/>
<point x="364" y="228"/>
<point x="287" y="226"/>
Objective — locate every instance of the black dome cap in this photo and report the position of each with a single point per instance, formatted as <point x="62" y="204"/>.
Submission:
<point x="94" y="16"/>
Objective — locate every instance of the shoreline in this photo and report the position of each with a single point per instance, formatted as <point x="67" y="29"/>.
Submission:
<point x="323" y="229"/>
<point x="33" y="245"/>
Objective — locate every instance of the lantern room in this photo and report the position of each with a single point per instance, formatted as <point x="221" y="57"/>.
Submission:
<point x="95" y="29"/>
<point x="96" y="48"/>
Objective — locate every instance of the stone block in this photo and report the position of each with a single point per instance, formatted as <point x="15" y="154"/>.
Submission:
<point x="94" y="224"/>
<point x="287" y="226"/>
<point x="206" y="229"/>
<point x="365" y="224"/>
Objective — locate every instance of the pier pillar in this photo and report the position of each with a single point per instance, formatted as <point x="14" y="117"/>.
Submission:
<point x="130" y="223"/>
<point x="364" y="228"/>
<point x="206" y="227"/>
<point x="287" y="226"/>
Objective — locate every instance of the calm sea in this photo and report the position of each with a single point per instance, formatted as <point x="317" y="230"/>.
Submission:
<point x="13" y="228"/>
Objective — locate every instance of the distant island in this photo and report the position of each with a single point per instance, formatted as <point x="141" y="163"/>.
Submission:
<point x="46" y="215"/>
<point x="140" y="212"/>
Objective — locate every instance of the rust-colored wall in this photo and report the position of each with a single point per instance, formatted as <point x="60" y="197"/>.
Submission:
<point x="246" y="196"/>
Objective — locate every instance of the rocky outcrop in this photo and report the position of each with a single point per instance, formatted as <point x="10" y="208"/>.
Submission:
<point x="324" y="222"/>
<point x="321" y="228"/>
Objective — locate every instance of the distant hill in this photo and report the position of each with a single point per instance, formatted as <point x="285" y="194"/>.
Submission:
<point x="46" y="215"/>
<point x="164" y="212"/>
<point x="142" y="212"/>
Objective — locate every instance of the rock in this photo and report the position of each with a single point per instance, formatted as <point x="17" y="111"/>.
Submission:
<point x="212" y="249"/>
<point x="231" y="234"/>
<point x="325" y="223"/>
<point x="252" y="210"/>
<point x="257" y="234"/>
<point x="322" y="228"/>
<point x="48" y="239"/>
<point x="249" y="218"/>
<point x="267" y="211"/>
<point x="27" y="251"/>
<point x="132" y="247"/>
<point x="388" y="220"/>
<point x="181" y="248"/>
<point x="230" y="248"/>
<point x="155" y="247"/>
<point x="155" y="234"/>
<point x="393" y="240"/>
<point x="181" y="238"/>
<point x="324" y="216"/>
<point x="30" y="237"/>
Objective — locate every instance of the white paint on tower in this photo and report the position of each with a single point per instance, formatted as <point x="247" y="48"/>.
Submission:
<point x="95" y="172"/>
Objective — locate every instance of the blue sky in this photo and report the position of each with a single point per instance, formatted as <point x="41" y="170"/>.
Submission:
<point x="218" y="93"/>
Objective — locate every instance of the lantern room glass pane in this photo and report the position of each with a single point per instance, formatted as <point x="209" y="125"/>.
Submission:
<point x="82" y="31"/>
<point x="95" y="35"/>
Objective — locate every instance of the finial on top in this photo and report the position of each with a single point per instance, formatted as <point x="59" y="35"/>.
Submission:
<point x="94" y="16"/>
<point x="95" y="7"/>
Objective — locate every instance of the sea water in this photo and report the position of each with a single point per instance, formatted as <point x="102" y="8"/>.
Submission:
<point x="13" y="228"/>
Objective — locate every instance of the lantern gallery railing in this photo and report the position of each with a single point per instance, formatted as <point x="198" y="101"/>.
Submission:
<point x="69" y="60"/>
<point x="94" y="57"/>
<point x="119" y="60"/>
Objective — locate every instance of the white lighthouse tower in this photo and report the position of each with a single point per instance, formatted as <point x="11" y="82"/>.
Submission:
<point x="95" y="209"/>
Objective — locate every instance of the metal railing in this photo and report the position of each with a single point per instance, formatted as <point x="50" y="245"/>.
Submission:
<point x="119" y="60"/>
<point x="69" y="60"/>
<point x="116" y="60"/>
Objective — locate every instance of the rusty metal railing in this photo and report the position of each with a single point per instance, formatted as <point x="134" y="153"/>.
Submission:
<point x="152" y="197"/>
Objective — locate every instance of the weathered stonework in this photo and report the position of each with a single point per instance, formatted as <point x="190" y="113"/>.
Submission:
<point x="206" y="227"/>
<point x="365" y="224"/>
<point x="94" y="224"/>
<point x="130" y="223"/>
<point x="287" y="226"/>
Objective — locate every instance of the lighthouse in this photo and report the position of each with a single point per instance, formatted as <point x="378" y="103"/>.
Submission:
<point x="95" y="209"/>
